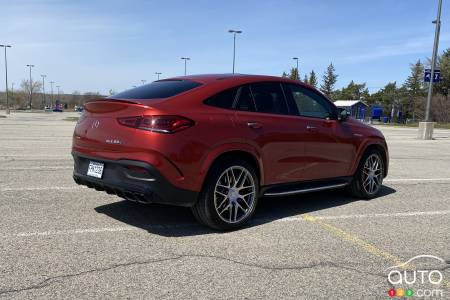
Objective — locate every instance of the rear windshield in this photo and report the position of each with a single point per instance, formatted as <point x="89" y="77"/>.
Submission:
<point x="158" y="89"/>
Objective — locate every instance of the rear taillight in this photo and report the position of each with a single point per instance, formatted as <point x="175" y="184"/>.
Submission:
<point x="162" y="124"/>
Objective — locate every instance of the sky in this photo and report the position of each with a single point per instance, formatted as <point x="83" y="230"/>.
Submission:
<point x="90" y="45"/>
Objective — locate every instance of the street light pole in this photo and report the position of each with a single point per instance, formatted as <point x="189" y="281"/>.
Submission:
<point x="6" y="78"/>
<point x="51" y="98"/>
<point x="31" y="86"/>
<point x="185" y="59"/>
<point x="234" y="32"/>
<point x="433" y="60"/>
<point x="426" y="128"/>
<point x="43" y="90"/>
<point x="298" y="74"/>
<point x="58" y="94"/>
<point x="158" y="73"/>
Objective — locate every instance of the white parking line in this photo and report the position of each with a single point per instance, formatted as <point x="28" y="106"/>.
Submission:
<point x="416" y="179"/>
<point x="43" y="168"/>
<point x="299" y="218"/>
<point x="364" y="216"/>
<point x="41" y="188"/>
<point x="393" y="180"/>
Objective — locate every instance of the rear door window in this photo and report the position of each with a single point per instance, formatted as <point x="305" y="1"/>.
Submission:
<point x="224" y="99"/>
<point x="269" y="98"/>
<point x="245" y="101"/>
<point x="158" y="89"/>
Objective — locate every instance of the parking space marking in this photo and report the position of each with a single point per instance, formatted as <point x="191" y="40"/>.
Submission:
<point x="300" y="218"/>
<point x="368" y="216"/>
<point x="415" y="179"/>
<point x="41" y="188"/>
<point x="362" y="244"/>
<point x="396" y="180"/>
<point x="353" y="239"/>
<point x="42" y="168"/>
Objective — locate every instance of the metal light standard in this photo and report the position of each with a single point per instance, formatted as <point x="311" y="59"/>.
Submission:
<point x="234" y="32"/>
<point x="31" y="86"/>
<point x="51" y="98"/>
<point x="298" y="75"/>
<point x="57" y="99"/>
<point x="426" y="128"/>
<point x="6" y="78"/>
<point x="158" y="73"/>
<point x="185" y="59"/>
<point x="43" y="90"/>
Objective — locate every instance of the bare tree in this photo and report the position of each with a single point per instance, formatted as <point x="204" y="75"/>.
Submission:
<point x="34" y="88"/>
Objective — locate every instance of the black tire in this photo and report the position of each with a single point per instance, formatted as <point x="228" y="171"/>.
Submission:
<point x="205" y="210"/>
<point x="359" y="187"/>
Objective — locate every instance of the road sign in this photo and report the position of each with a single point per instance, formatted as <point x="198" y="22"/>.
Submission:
<point x="436" y="77"/>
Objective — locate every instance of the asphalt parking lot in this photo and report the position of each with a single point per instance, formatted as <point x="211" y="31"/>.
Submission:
<point x="59" y="240"/>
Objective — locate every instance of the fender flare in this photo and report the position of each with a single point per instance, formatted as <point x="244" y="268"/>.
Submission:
<point x="362" y="149"/>
<point x="225" y="148"/>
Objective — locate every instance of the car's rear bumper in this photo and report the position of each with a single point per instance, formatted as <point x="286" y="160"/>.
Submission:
<point x="134" y="180"/>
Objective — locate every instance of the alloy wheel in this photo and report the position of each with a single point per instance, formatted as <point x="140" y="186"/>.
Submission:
<point x="234" y="194"/>
<point x="372" y="176"/>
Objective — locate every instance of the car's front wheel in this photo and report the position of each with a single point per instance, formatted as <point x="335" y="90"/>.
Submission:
<point x="368" y="178"/>
<point x="229" y="196"/>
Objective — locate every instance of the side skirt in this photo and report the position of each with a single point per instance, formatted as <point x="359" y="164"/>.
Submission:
<point x="304" y="187"/>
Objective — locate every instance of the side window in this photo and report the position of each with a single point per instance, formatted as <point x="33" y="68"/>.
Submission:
<point x="309" y="103"/>
<point x="223" y="99"/>
<point x="269" y="98"/>
<point x="245" y="101"/>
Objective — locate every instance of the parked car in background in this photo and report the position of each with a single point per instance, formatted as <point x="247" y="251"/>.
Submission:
<point x="217" y="143"/>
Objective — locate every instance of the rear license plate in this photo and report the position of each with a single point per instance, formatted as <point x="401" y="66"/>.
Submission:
<point x="95" y="169"/>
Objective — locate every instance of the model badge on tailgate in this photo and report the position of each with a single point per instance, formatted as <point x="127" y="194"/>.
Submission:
<point x="113" y="141"/>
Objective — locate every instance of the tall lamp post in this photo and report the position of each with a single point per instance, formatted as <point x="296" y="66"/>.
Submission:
<point x="57" y="99"/>
<point x="234" y="32"/>
<point x="185" y="59"/>
<point x="51" y="97"/>
<point x="43" y="90"/>
<point x="6" y="78"/>
<point x="31" y="86"/>
<point x="426" y="128"/>
<point x="298" y="75"/>
<point x="158" y="73"/>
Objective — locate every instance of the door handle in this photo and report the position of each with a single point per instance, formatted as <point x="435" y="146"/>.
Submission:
<point x="254" y="125"/>
<point x="311" y="128"/>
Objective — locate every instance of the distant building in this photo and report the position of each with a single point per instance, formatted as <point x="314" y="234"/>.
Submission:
<point x="356" y="108"/>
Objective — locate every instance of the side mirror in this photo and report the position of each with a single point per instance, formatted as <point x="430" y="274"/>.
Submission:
<point x="342" y="114"/>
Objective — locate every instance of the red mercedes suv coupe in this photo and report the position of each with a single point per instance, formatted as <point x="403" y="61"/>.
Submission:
<point x="217" y="143"/>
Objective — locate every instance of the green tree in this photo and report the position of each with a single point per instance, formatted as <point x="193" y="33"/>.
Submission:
<point x="313" y="79"/>
<point x="294" y="74"/>
<point x="387" y="96"/>
<point x="329" y="79"/>
<point x="443" y="87"/>
<point x="353" y="91"/>
<point x="414" y="88"/>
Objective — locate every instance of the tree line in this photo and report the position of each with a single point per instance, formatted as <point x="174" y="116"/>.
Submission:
<point x="408" y="97"/>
